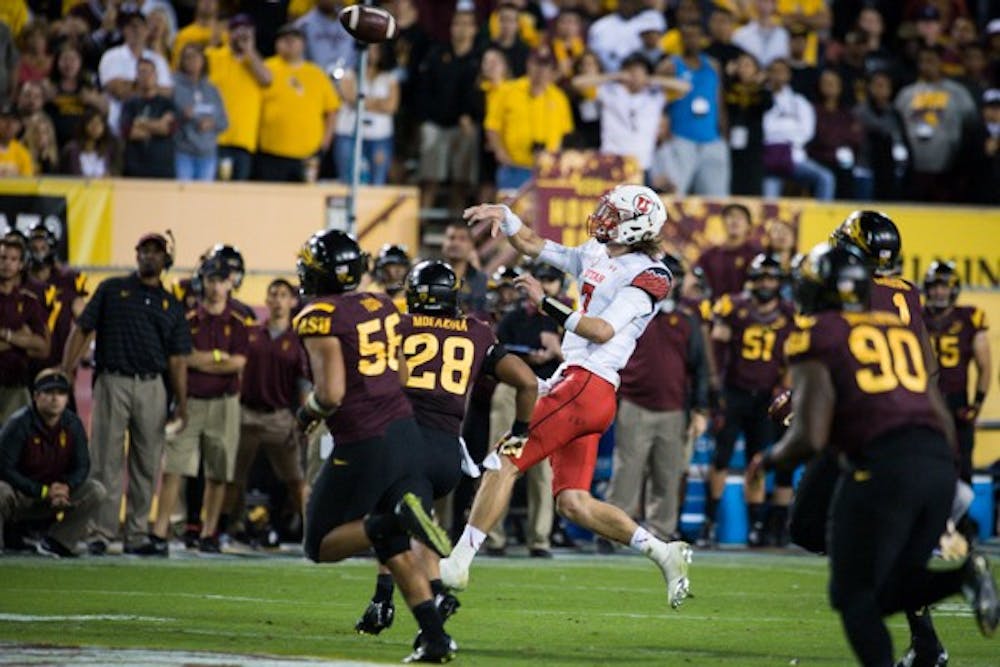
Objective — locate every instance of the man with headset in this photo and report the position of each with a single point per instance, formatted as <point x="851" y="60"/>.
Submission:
<point x="141" y="335"/>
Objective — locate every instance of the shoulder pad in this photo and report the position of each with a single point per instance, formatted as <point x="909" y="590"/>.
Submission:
<point x="978" y="319"/>
<point x="654" y="281"/>
<point x="315" y="319"/>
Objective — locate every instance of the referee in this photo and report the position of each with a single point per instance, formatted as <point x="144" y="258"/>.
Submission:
<point x="142" y="335"/>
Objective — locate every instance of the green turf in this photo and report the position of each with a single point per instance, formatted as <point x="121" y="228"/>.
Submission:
<point x="748" y="610"/>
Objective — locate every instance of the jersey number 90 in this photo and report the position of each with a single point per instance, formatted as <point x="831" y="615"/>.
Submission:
<point x="895" y="355"/>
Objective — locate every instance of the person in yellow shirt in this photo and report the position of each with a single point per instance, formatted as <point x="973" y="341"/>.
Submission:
<point x="298" y="112"/>
<point x="15" y="160"/>
<point x="527" y="115"/>
<point x="205" y="30"/>
<point x="238" y="71"/>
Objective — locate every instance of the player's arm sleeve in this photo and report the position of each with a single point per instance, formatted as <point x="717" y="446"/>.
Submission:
<point x="697" y="362"/>
<point x="631" y="302"/>
<point x="569" y="260"/>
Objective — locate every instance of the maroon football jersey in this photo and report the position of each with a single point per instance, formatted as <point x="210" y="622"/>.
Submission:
<point x="444" y="356"/>
<point x="755" y="360"/>
<point x="367" y="326"/>
<point x="275" y="367"/>
<point x="895" y="295"/>
<point x="57" y="296"/>
<point x="951" y="334"/>
<point x="226" y="332"/>
<point x="878" y="372"/>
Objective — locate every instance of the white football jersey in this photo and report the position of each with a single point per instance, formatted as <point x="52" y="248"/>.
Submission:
<point x="624" y="291"/>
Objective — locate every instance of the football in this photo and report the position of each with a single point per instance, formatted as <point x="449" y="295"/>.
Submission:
<point x="368" y="24"/>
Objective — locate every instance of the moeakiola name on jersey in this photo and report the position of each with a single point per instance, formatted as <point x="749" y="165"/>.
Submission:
<point x="448" y="323"/>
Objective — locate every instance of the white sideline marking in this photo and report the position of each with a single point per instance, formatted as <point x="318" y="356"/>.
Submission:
<point x="84" y="618"/>
<point x="13" y="654"/>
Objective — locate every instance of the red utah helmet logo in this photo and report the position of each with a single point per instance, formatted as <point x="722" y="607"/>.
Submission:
<point x="642" y="204"/>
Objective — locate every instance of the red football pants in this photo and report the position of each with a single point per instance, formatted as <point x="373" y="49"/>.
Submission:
<point x="566" y="426"/>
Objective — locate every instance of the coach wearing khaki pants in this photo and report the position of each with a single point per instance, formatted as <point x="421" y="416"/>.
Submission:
<point x="141" y="335"/>
<point x="219" y="334"/>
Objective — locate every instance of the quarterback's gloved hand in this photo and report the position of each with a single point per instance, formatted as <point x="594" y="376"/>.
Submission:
<point x="511" y="445"/>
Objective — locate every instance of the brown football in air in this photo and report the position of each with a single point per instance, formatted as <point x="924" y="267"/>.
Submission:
<point x="780" y="410"/>
<point x="368" y="24"/>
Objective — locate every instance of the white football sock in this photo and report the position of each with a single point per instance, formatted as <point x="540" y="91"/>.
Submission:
<point x="643" y="541"/>
<point x="469" y="544"/>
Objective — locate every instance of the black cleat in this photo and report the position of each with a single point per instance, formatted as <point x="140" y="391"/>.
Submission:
<point x="439" y="652"/>
<point x="447" y="604"/>
<point x="419" y="524"/>
<point x="981" y="592"/>
<point x="209" y="545"/>
<point x="49" y="546"/>
<point x="913" y="658"/>
<point x="154" y="546"/>
<point x="377" y="617"/>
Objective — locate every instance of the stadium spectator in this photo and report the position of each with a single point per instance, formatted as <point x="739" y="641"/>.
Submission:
<point x="935" y="112"/>
<point x="662" y="407"/>
<point x="39" y="134"/>
<point x="930" y="27"/>
<point x="725" y="265"/>
<point x="789" y="125"/>
<point x="530" y="114"/>
<point x="99" y="22"/>
<point x="508" y="38"/>
<point x="381" y="91"/>
<point x="977" y="77"/>
<point x="878" y="56"/>
<point x="411" y="45"/>
<point x="839" y="136"/>
<point x="239" y="74"/>
<point x="94" y="152"/>
<point x="586" y="109"/>
<point x="631" y="102"/>
<point x="328" y="44"/>
<point x="752" y="328"/>
<point x="805" y="75"/>
<point x="298" y="112"/>
<point x="160" y="37"/>
<point x="568" y="42"/>
<point x="148" y="122"/>
<point x="697" y="121"/>
<point x="987" y="174"/>
<point x="664" y="173"/>
<point x="651" y="37"/>
<point x="458" y="249"/>
<point x="273" y="384"/>
<point x="73" y="92"/>
<point x="534" y="337"/>
<point x="205" y="30"/>
<point x="530" y="19"/>
<point x="493" y="73"/>
<point x="45" y="469"/>
<point x="721" y="26"/>
<point x="448" y="136"/>
<point x="814" y="15"/>
<point x="211" y="435"/>
<point x="762" y="37"/>
<point x="15" y="160"/>
<point x="141" y="335"/>
<point x="853" y="68"/>
<point x="24" y="334"/>
<point x="35" y="63"/>
<point x="8" y="65"/>
<point x="60" y="289"/>
<point x="615" y="36"/>
<point x="202" y="118"/>
<point x="746" y="100"/>
<point x="883" y="152"/>
<point x="119" y="67"/>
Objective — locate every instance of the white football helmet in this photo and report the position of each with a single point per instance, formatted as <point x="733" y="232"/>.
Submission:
<point x="627" y="214"/>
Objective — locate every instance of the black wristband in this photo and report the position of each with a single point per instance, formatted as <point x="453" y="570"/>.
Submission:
<point x="980" y="397"/>
<point x="556" y="309"/>
<point x="519" y="428"/>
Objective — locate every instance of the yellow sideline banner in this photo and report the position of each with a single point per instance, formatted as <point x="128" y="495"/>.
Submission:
<point x="88" y="212"/>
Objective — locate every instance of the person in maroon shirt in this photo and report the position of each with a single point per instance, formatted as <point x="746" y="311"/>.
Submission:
<point x="61" y="290"/>
<point x="45" y="468"/>
<point x="24" y="334"/>
<point x="725" y="266"/>
<point x="275" y="380"/>
<point x="753" y="330"/>
<point x="445" y="351"/>
<point x="959" y="336"/>
<point x="665" y="378"/>
<point x="839" y="134"/>
<point x="372" y="492"/>
<point x="861" y="387"/>
<point x="211" y="436"/>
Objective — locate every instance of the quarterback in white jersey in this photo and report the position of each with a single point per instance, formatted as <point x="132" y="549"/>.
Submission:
<point x="621" y="284"/>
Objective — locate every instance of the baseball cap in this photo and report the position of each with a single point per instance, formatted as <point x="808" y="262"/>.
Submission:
<point x="928" y="13"/>
<point x="51" y="380"/>
<point x="152" y="237"/>
<point x="289" y="29"/>
<point x="240" y="21"/>
<point x="650" y="21"/>
<point x="991" y="97"/>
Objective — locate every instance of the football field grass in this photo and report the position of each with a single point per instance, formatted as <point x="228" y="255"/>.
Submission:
<point x="748" y="609"/>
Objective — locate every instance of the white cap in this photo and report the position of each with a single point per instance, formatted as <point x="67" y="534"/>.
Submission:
<point x="648" y="21"/>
